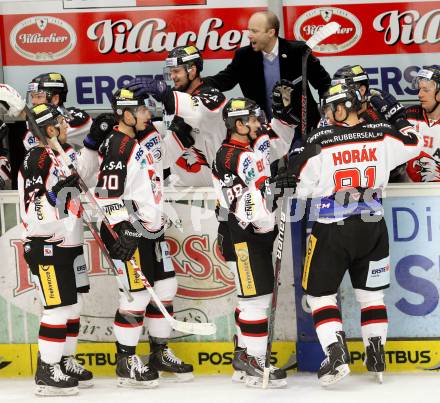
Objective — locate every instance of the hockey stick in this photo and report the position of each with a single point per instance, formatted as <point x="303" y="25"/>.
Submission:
<point x="294" y="170"/>
<point x="319" y="36"/>
<point x="92" y="227"/>
<point x="184" y="327"/>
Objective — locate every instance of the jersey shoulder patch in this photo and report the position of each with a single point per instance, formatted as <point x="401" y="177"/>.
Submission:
<point x="415" y="112"/>
<point x="210" y="97"/>
<point x="79" y="117"/>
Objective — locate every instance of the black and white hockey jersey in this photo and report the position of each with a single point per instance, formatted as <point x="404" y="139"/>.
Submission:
<point x="202" y="110"/>
<point x="240" y="175"/>
<point x="37" y="175"/>
<point x="124" y="187"/>
<point x="354" y="159"/>
<point x="425" y="167"/>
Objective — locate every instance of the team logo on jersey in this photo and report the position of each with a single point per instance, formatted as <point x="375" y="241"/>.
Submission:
<point x="424" y="168"/>
<point x="345" y="38"/>
<point x="192" y="160"/>
<point x="43" y="38"/>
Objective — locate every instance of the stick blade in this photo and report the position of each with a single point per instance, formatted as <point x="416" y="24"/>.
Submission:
<point x="202" y="329"/>
<point x="326" y="31"/>
<point x="266" y="375"/>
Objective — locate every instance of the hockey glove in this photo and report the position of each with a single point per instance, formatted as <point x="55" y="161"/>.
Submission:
<point x="101" y="127"/>
<point x="145" y="87"/>
<point x="183" y="131"/>
<point x="387" y="105"/>
<point x="126" y="244"/>
<point x="63" y="192"/>
<point x="11" y="100"/>
<point x="282" y="102"/>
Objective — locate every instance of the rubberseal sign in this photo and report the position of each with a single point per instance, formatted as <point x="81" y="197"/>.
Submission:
<point x="347" y="36"/>
<point x="43" y="38"/>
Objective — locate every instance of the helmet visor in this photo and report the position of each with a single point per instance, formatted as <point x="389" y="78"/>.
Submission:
<point x="422" y="75"/>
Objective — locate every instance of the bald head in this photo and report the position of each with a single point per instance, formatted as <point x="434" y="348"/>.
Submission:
<point x="263" y="30"/>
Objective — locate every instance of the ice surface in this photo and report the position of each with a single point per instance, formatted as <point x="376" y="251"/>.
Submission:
<point x="302" y="388"/>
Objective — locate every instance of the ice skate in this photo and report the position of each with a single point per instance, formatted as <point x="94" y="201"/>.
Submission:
<point x="170" y="367"/>
<point x="51" y="381"/>
<point x="375" y="358"/>
<point x="239" y="363"/>
<point x="70" y="366"/>
<point x="132" y="373"/>
<point x="255" y="371"/>
<point x="335" y="366"/>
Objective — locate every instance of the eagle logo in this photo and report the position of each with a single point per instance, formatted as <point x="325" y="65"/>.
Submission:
<point x="192" y="160"/>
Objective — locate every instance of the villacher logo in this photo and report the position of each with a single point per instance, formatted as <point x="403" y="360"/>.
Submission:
<point x="43" y="38"/>
<point x="346" y="37"/>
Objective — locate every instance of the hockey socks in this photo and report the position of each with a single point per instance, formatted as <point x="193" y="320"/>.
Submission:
<point x="128" y="327"/>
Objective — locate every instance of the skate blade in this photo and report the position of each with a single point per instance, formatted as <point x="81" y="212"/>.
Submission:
<point x="131" y="383"/>
<point x="342" y="372"/>
<point x="176" y="377"/>
<point x="257" y="382"/>
<point x="379" y="377"/>
<point x="85" y="384"/>
<point x="44" y="390"/>
<point x="239" y="376"/>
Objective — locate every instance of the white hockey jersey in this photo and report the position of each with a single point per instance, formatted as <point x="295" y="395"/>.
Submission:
<point x="124" y="187"/>
<point x="426" y="166"/>
<point x="202" y="110"/>
<point x="353" y="158"/>
<point x="240" y="175"/>
<point x="37" y="175"/>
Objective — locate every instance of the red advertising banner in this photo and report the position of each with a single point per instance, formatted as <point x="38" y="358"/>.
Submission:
<point x="120" y="36"/>
<point x="369" y="29"/>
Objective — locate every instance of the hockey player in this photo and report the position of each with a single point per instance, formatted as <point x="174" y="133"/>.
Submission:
<point x="193" y="109"/>
<point x="52" y="88"/>
<point x="53" y="249"/>
<point x="375" y="104"/>
<point x="345" y="181"/>
<point x="247" y="231"/>
<point x="160" y="268"/>
<point x="129" y="177"/>
<point x="426" y="118"/>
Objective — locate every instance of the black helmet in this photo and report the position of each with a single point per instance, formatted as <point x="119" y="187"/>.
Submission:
<point x="352" y="76"/>
<point x="126" y="99"/>
<point x="45" y="114"/>
<point x="241" y="108"/>
<point x="430" y="73"/>
<point x="183" y="56"/>
<point x="51" y="84"/>
<point x="342" y="94"/>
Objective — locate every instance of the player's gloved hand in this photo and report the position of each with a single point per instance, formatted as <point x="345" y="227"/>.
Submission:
<point x="150" y="86"/>
<point x="63" y="190"/>
<point x="128" y="238"/>
<point x="183" y="131"/>
<point x="101" y="127"/>
<point x="11" y="100"/>
<point x="282" y="102"/>
<point x="387" y="105"/>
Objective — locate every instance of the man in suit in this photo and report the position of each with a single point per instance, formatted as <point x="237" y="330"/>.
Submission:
<point x="269" y="58"/>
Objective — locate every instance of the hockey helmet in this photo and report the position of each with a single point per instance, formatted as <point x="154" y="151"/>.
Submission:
<point x="342" y="94"/>
<point x="51" y="84"/>
<point x="46" y="114"/>
<point x="241" y="109"/>
<point x="352" y="76"/>
<point x="182" y="56"/>
<point x="428" y="73"/>
<point x="124" y="99"/>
